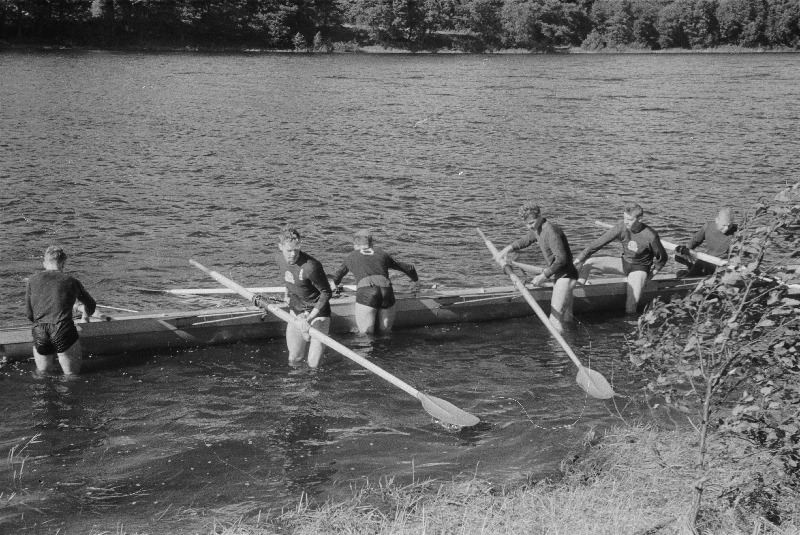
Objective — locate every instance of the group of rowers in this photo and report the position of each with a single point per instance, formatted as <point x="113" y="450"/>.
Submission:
<point x="51" y="294"/>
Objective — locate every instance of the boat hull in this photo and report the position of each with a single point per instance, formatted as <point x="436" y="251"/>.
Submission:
<point x="169" y="330"/>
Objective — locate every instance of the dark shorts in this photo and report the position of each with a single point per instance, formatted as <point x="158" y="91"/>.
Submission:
<point x="571" y="272"/>
<point x="700" y="268"/>
<point x="50" y="338"/>
<point x="375" y="296"/>
<point x="628" y="268"/>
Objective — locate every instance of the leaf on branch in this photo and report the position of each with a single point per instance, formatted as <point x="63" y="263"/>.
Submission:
<point x="731" y="278"/>
<point x="788" y="301"/>
<point x="766" y="323"/>
<point x="690" y="344"/>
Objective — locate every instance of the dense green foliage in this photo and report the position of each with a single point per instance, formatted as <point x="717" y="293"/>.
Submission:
<point x="728" y="354"/>
<point x="471" y="25"/>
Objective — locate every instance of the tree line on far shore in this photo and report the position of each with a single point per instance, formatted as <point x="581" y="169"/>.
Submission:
<point x="466" y="25"/>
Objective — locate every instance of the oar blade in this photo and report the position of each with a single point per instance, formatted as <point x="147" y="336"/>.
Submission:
<point x="594" y="384"/>
<point x="446" y="412"/>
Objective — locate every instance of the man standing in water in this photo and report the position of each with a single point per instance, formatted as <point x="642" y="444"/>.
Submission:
<point x="374" y="308"/>
<point x="643" y="254"/>
<point x="717" y="235"/>
<point x="555" y="249"/>
<point x="49" y="298"/>
<point x="308" y="294"/>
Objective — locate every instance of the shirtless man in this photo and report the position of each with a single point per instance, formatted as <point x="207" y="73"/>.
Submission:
<point x="643" y="254"/>
<point x="374" y="308"/>
<point x="717" y="235"/>
<point x="555" y="249"/>
<point x="49" y="298"/>
<point x="308" y="294"/>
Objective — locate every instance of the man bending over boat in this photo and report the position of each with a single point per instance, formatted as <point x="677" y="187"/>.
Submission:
<point x="49" y="298"/>
<point x="555" y="249"/>
<point x="717" y="235"/>
<point x="308" y="294"/>
<point x="643" y="254"/>
<point x="374" y="308"/>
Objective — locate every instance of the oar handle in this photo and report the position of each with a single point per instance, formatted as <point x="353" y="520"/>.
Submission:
<point x="531" y="301"/>
<point x="325" y="339"/>
<point x="672" y="247"/>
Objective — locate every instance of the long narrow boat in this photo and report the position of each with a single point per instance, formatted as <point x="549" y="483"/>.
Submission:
<point x="166" y="330"/>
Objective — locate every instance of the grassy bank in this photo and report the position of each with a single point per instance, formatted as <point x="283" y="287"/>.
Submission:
<point x="636" y="480"/>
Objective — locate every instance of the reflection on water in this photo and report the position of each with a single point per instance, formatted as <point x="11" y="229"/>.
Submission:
<point x="137" y="162"/>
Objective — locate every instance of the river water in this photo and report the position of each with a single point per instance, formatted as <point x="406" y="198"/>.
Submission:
<point x="137" y="162"/>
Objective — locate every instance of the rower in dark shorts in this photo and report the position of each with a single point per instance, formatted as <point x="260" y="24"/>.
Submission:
<point x="374" y="309"/>
<point x="49" y="298"/>
<point x="555" y="249"/>
<point x="643" y="254"/>
<point x="308" y="295"/>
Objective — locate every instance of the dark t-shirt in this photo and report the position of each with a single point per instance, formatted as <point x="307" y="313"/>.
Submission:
<point x="51" y="294"/>
<point x="641" y="246"/>
<point x="717" y="243"/>
<point x="555" y="248"/>
<point x="372" y="261"/>
<point x="306" y="283"/>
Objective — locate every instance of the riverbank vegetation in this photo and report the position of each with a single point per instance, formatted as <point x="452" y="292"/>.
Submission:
<point x="415" y="25"/>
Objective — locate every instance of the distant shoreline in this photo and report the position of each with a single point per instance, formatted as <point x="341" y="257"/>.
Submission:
<point x="350" y="48"/>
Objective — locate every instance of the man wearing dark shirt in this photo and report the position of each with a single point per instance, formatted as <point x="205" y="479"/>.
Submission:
<point x="49" y="298"/>
<point x="717" y="236"/>
<point x="643" y="254"/>
<point x="555" y="249"/>
<point x="308" y="294"/>
<point x="370" y="266"/>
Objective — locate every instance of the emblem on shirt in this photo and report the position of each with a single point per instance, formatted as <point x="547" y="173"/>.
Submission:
<point x="633" y="246"/>
<point x="288" y="277"/>
<point x="300" y="275"/>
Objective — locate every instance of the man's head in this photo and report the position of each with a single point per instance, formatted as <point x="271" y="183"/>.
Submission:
<point x="724" y="220"/>
<point x="362" y="239"/>
<point x="632" y="214"/>
<point x="529" y="212"/>
<point x="289" y="244"/>
<point x="54" y="258"/>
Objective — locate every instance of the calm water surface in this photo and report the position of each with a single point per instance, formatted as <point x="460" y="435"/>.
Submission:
<point x="137" y="162"/>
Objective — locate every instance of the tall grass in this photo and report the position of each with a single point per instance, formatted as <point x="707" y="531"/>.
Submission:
<point x="636" y="481"/>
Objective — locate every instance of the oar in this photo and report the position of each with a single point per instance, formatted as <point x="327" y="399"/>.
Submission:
<point x="222" y="291"/>
<point x="592" y="382"/>
<point x="117" y="308"/>
<point x="210" y="291"/>
<point x="526" y="267"/>
<point x="672" y="247"/>
<point x="438" y="408"/>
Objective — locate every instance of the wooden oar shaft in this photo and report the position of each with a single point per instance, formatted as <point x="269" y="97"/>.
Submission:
<point x="527" y="267"/>
<point x="222" y="291"/>
<point x="532" y="302"/>
<point x="672" y="247"/>
<point x="215" y="291"/>
<point x="117" y="308"/>
<point x="325" y="339"/>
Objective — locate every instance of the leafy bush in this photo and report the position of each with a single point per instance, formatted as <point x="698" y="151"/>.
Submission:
<point x="728" y="354"/>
